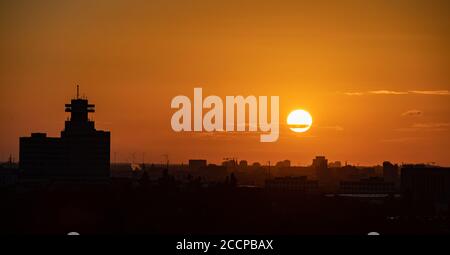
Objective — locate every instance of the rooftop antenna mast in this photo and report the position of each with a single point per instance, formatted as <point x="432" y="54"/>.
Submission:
<point x="166" y="156"/>
<point x="78" y="91"/>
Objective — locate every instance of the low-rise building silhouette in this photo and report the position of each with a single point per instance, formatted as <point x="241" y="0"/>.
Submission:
<point x="8" y="173"/>
<point x="196" y="164"/>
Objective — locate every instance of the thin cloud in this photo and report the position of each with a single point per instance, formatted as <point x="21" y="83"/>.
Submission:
<point x="388" y="92"/>
<point x="335" y="128"/>
<point x="431" y="92"/>
<point x="412" y="113"/>
<point x="400" y="139"/>
<point x="354" y="93"/>
<point x="314" y="126"/>
<point x="431" y="125"/>
<point x="393" y="92"/>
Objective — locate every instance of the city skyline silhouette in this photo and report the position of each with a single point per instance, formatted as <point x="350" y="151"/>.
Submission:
<point x="235" y="119"/>
<point x="374" y="76"/>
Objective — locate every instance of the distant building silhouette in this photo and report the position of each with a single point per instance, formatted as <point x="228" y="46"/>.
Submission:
<point x="196" y="164"/>
<point x="390" y="171"/>
<point x="81" y="151"/>
<point x="8" y="173"/>
<point x="426" y="183"/>
<point x="320" y="162"/>
<point x="320" y="165"/>
<point x="243" y="164"/>
<point x="284" y="163"/>
<point x="256" y="165"/>
<point x="336" y="164"/>
<point x="230" y="163"/>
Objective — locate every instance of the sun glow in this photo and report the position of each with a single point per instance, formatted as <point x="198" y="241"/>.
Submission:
<point x="299" y="121"/>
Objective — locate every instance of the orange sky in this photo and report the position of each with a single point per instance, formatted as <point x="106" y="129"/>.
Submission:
<point x="373" y="74"/>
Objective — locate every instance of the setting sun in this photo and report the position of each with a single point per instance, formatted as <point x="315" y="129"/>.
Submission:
<point x="299" y="121"/>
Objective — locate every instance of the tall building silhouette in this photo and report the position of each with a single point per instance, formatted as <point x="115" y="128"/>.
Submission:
<point x="81" y="151"/>
<point x="320" y="165"/>
<point x="390" y="172"/>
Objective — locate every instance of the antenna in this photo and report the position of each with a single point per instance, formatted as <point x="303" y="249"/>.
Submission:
<point x="78" y="91"/>
<point x="166" y="156"/>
